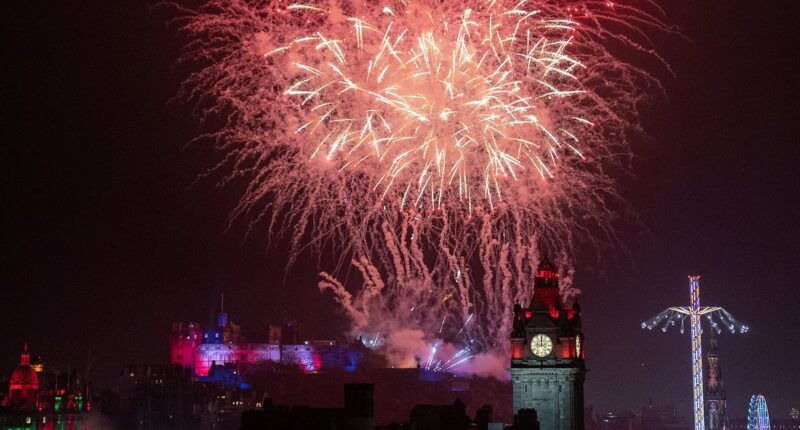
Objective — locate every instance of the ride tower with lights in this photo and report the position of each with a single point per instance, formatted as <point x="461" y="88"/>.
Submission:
<point x="670" y="316"/>
<point x="547" y="356"/>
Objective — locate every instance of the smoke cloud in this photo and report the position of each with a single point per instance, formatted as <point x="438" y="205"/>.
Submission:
<point x="406" y="348"/>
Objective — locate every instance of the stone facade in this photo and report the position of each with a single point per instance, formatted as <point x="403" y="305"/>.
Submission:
<point x="555" y="393"/>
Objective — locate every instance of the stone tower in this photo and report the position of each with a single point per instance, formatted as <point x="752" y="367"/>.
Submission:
<point x="547" y="356"/>
<point x="716" y="413"/>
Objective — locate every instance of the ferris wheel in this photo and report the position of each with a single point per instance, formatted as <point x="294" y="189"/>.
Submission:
<point x="757" y="414"/>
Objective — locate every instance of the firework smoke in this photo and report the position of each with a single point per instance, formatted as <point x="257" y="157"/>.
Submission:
<point x="433" y="144"/>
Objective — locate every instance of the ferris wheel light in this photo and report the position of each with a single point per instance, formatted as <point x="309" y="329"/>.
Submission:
<point x="757" y="413"/>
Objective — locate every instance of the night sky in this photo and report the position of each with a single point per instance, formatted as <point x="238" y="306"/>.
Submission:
<point x="107" y="238"/>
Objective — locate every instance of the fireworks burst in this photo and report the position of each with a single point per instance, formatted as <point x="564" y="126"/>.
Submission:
<point x="452" y="111"/>
<point x="434" y="144"/>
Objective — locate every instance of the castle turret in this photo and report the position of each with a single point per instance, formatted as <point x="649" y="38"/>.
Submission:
<point x="184" y="344"/>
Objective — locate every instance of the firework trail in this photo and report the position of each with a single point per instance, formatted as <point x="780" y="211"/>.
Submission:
<point x="433" y="144"/>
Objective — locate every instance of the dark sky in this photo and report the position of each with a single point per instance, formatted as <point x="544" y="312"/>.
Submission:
<point x="106" y="241"/>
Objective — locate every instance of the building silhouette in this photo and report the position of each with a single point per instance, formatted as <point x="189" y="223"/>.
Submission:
<point x="357" y="414"/>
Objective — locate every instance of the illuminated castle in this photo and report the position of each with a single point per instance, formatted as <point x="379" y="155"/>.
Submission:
<point x="224" y="344"/>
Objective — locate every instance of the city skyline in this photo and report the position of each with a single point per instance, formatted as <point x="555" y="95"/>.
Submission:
<point x="109" y="239"/>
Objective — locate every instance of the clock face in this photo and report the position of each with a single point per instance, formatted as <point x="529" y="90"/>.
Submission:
<point x="541" y="345"/>
<point x="578" y="346"/>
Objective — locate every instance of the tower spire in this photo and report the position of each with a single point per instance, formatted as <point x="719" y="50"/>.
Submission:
<point x="716" y="401"/>
<point x="25" y="357"/>
<point x="222" y="317"/>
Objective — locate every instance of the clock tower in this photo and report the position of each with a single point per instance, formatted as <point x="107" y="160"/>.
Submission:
<point x="547" y="355"/>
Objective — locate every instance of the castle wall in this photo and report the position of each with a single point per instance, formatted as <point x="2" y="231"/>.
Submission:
<point x="308" y="357"/>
